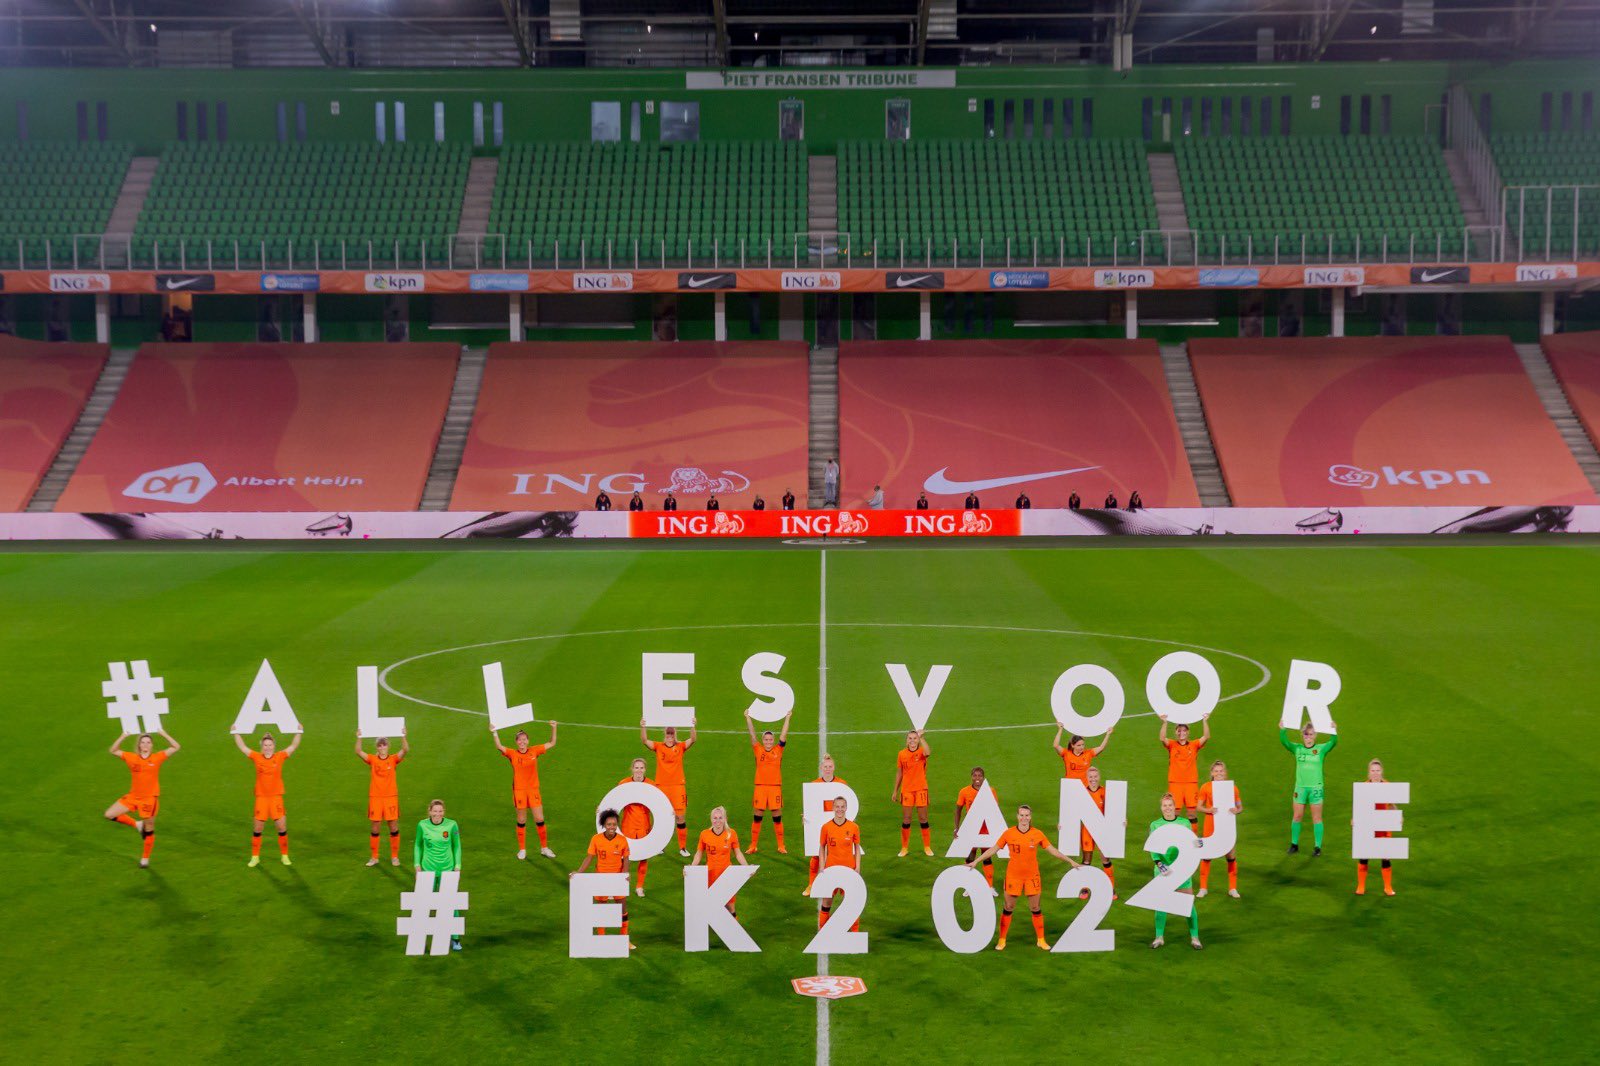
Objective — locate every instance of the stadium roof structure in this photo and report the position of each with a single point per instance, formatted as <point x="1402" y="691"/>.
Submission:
<point x="741" y="33"/>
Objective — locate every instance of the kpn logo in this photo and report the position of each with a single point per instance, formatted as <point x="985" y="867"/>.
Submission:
<point x="184" y="483"/>
<point x="1355" y="477"/>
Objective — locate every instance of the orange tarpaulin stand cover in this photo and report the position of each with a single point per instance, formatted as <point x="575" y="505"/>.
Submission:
<point x="43" y="387"/>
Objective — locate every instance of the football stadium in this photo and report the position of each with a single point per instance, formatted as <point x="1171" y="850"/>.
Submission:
<point x="928" y="486"/>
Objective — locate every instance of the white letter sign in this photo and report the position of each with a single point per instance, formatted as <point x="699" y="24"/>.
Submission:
<point x="666" y="687"/>
<point x="705" y="908"/>
<point x="1368" y="821"/>
<point x="919" y="705"/>
<point x="502" y="716"/>
<point x="265" y="704"/>
<point x="760" y="677"/>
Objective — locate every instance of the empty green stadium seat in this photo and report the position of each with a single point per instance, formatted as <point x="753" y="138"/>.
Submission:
<point x="1552" y="203"/>
<point x="55" y="199"/>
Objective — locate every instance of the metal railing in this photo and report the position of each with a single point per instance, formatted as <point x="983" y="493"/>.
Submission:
<point x="1468" y="140"/>
<point x="1545" y="223"/>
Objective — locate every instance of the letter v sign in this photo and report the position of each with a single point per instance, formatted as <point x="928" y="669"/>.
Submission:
<point x="918" y="705"/>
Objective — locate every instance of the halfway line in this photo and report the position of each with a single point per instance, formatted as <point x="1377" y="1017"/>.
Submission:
<point x="824" y="1037"/>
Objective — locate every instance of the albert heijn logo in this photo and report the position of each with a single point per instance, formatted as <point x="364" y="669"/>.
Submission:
<point x="184" y="483"/>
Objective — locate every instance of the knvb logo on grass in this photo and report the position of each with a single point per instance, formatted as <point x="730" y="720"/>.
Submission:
<point x="1019" y="279"/>
<point x="184" y="483"/>
<point x="1355" y="477"/>
<point x="290" y="282"/>
<point x="390" y="282"/>
<point x="1124" y="279"/>
<point x="1547" y="271"/>
<point x="80" y="282"/>
<point x="602" y="281"/>
<point x="498" y="282"/>
<point x="1334" y="277"/>
<point x="1230" y="278"/>
<point x="811" y="280"/>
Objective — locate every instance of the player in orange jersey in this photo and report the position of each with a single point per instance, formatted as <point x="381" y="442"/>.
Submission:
<point x="719" y="847"/>
<point x="144" y="790"/>
<point x="1375" y="775"/>
<point x="1183" y="772"/>
<point x="841" y="846"/>
<point x="825" y="776"/>
<point x="1097" y="792"/>
<point x="964" y="801"/>
<point x="636" y="819"/>
<point x="911" y="789"/>
<point x="1208" y="807"/>
<point x="525" y="794"/>
<point x="1077" y="755"/>
<point x="1022" y="872"/>
<point x="269" y="793"/>
<point x="383" y="793"/>
<point x="669" y="775"/>
<point x="769" y="780"/>
<point x="609" y="850"/>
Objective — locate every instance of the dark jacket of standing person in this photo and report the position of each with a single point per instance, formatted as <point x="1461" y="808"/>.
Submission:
<point x="1135" y="501"/>
<point x="788" y="500"/>
<point x="636" y="504"/>
<point x="602" y="502"/>
<point x="1023" y="503"/>
<point x="713" y="505"/>
<point x="670" y="503"/>
<point x="758" y="504"/>
<point x="971" y="502"/>
<point x="922" y="501"/>
<point x="1111" y="501"/>
<point x="1074" y="502"/>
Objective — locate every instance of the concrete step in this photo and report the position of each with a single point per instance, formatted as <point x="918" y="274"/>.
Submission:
<point x="130" y="202"/>
<point x="478" y="198"/>
<point x="1192" y="427"/>
<point x="823" y="433"/>
<point x="1559" y="408"/>
<point x="1171" y="211"/>
<point x="446" y="463"/>
<point x="61" y="469"/>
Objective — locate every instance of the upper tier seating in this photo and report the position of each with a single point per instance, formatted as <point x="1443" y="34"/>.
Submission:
<point x="1543" y="216"/>
<point x="55" y="197"/>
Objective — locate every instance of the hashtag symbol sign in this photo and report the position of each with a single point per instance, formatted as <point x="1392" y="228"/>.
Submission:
<point x="431" y="913"/>
<point x="134" y="697"/>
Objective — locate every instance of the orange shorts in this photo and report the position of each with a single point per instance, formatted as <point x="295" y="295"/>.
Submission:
<point x="1186" y="794"/>
<point x="679" y="795"/>
<point x="769" y="797"/>
<point x="524" y="801"/>
<point x="1383" y="833"/>
<point x="383" y="809"/>
<point x="141" y="808"/>
<point x="269" y="808"/>
<point x="1023" y="886"/>
<point x="914" y="799"/>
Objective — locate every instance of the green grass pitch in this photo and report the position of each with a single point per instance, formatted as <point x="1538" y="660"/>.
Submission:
<point x="1470" y="668"/>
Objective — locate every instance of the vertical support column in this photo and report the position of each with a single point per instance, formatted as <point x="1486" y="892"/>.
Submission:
<point x="102" y="317"/>
<point x="1337" y="302"/>
<point x="925" y="316"/>
<point x="1131" y="313"/>
<point x="514" y="316"/>
<point x="308" y="306"/>
<point x="1547" y="312"/>
<point x="719" y="316"/>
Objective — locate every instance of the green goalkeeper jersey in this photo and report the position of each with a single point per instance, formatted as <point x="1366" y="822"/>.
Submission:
<point x="437" y="847"/>
<point x="1171" y="854"/>
<point x="1307" y="761"/>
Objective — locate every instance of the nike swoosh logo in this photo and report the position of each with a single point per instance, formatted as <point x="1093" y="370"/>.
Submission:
<point x="700" y="283"/>
<point x="902" y="283"/>
<point x="940" y="484"/>
<point x="181" y="283"/>
<point x="1436" y="275"/>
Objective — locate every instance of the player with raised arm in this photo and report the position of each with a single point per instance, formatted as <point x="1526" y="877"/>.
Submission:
<point x="826" y="772"/>
<point x="1183" y="770"/>
<point x="436" y="848"/>
<point x="719" y="847"/>
<point x="269" y="793"/>
<point x="143" y="798"/>
<point x="911" y="789"/>
<point x="383" y="793"/>
<point x="964" y="801"/>
<point x="841" y="846"/>
<point x="1077" y="756"/>
<point x="1164" y="861"/>
<point x="669" y="775"/>
<point x="1022" y="872"/>
<point x="1375" y="775"/>
<point x="636" y="820"/>
<point x="1208" y="807"/>
<point x="769" y="780"/>
<point x="525" y="794"/>
<point x="609" y="850"/>
<point x="1086" y="844"/>
<point x="1308" y="782"/>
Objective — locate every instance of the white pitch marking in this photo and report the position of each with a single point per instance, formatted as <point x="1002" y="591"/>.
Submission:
<point x="824" y="1036"/>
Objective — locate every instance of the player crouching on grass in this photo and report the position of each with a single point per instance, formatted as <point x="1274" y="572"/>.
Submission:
<point x="719" y="846"/>
<point x="1022" y="872"/>
<point x="636" y="819"/>
<point x="1208" y="807"/>
<point x="383" y="793"/>
<point x="609" y="849"/>
<point x="1375" y="775"/>
<point x="144" y="790"/>
<point x="1163" y="861"/>
<point x="437" y="848"/>
<point x="269" y="793"/>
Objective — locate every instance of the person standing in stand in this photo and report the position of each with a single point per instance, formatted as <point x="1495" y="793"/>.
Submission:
<point x="875" y="501"/>
<point x="1074" y="502"/>
<point x="635" y="503"/>
<point x="971" y="502"/>
<point x="712" y="504"/>
<point x="830" y="484"/>
<point x="670" y="503"/>
<point x="788" y="500"/>
<point x="602" y="502"/>
<point x="1023" y="503"/>
<point x="922" y="501"/>
<point x="1135" y="501"/>
<point x="758" y="504"/>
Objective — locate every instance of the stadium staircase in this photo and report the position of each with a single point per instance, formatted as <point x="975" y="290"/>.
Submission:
<point x="475" y="204"/>
<point x="822" y="198"/>
<point x="1559" y="408"/>
<point x="824" y="420"/>
<point x="130" y="202"/>
<point x="1192" y="427"/>
<point x="1471" y="208"/>
<point x="1171" y="214"/>
<point x="441" y="483"/>
<point x="89" y="421"/>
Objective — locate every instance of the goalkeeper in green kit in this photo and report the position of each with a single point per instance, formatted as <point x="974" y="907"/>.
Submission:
<point x="1308" y="759"/>
<point x="1164" y="861"/>
<point x="436" y="848"/>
